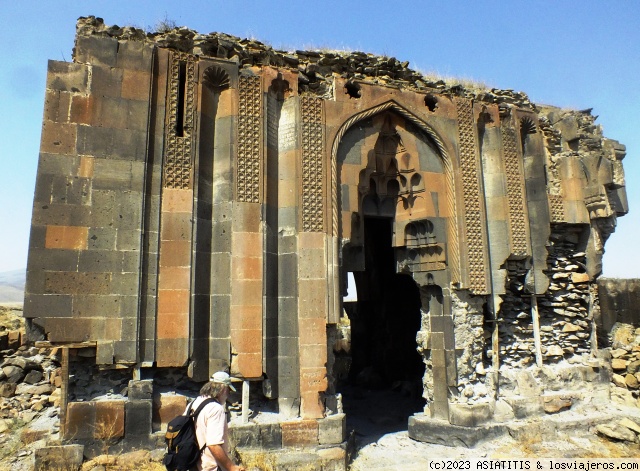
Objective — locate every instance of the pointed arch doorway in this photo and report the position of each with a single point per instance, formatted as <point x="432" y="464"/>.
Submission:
<point x="384" y="385"/>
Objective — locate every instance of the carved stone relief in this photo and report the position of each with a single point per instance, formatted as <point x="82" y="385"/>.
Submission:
<point x="469" y="170"/>
<point x="249" y="140"/>
<point x="515" y="188"/>
<point x="180" y="110"/>
<point x="312" y="165"/>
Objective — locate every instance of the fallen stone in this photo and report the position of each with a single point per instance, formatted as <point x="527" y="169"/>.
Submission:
<point x="579" y="277"/>
<point x="33" y="377"/>
<point x="555" y="404"/>
<point x="619" y="380"/>
<point x="631" y="381"/>
<point x="40" y="390"/>
<point x="616" y="432"/>
<point x="619" y="364"/>
<point x="554" y="351"/>
<point x="630" y="424"/>
<point x="7" y="389"/>
<point x="14" y="373"/>
<point x="4" y="426"/>
<point x="571" y="328"/>
<point x="618" y="352"/>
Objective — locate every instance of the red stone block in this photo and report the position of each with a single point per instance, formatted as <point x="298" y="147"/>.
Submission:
<point x="165" y="408"/>
<point x="311" y="406"/>
<point x="313" y="356"/>
<point x="175" y="278"/>
<point x="66" y="237"/>
<point x="109" y="419"/>
<point x="246" y="317"/>
<point x="313" y="331"/>
<point x="82" y="109"/>
<point x="300" y="433"/>
<point x="249" y="365"/>
<point x="247" y="341"/>
<point x="136" y="85"/>
<point x="175" y="253"/>
<point x="247" y="268"/>
<point x="80" y="420"/>
<point x="313" y="379"/>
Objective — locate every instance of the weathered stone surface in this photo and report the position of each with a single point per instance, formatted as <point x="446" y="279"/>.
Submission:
<point x="630" y="424"/>
<point x="619" y="364"/>
<point x="619" y="380"/>
<point x="59" y="457"/>
<point x="631" y="381"/>
<point x="616" y="432"/>
<point x="442" y="432"/>
<point x="555" y="404"/>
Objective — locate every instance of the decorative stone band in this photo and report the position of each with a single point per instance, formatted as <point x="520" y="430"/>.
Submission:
<point x="515" y="185"/>
<point x="178" y="132"/>
<point x="312" y="165"/>
<point x="470" y="172"/>
<point x="249" y="140"/>
<point x="556" y="208"/>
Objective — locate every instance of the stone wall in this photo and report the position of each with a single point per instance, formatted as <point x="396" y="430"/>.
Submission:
<point x="201" y="198"/>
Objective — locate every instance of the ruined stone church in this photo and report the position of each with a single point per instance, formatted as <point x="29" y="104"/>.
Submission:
<point x="201" y="201"/>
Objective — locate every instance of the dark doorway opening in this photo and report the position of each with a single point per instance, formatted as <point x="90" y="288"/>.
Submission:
<point x="384" y="384"/>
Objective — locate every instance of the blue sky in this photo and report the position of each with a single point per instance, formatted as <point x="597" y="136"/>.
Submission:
<point x="574" y="54"/>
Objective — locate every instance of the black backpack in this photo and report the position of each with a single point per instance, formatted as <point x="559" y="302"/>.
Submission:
<point x="182" y="445"/>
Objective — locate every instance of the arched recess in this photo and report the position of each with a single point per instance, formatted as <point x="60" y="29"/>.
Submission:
<point x="448" y="163"/>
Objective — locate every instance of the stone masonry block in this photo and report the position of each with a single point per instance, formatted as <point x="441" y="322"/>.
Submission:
<point x="171" y="352"/>
<point x="80" y="420"/>
<point x="105" y="353"/>
<point x="136" y="85"/>
<point x="166" y="407"/>
<point x="138" y="417"/>
<point x="109" y="422"/>
<point x="67" y="77"/>
<point x="141" y="389"/>
<point x="300" y="433"/>
<point x="332" y="429"/>
<point x="58" y="138"/>
<point x="247" y="217"/>
<point x="311" y="406"/>
<point x="36" y="305"/>
<point x="134" y="56"/>
<point x="96" y="50"/>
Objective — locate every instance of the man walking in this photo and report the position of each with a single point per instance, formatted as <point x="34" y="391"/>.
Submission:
<point x="211" y="425"/>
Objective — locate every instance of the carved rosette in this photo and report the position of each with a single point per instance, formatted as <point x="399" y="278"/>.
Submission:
<point x="470" y="173"/>
<point x="249" y="139"/>
<point x="515" y="189"/>
<point x="312" y="165"/>
<point x="178" y="149"/>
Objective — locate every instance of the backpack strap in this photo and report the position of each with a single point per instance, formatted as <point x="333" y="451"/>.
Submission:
<point x="200" y="407"/>
<point x="197" y="412"/>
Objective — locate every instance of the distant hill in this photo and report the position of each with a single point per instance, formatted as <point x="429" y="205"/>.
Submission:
<point x="12" y="286"/>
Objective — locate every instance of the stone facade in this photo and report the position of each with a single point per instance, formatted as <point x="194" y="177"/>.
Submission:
<point x="200" y="200"/>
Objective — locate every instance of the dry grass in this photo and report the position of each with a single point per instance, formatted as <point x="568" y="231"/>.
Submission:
<point x="11" y="318"/>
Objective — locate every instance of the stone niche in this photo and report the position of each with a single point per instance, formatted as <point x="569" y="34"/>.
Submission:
<point x="201" y="201"/>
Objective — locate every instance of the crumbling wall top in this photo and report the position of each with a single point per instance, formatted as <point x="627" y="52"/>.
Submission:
<point x="316" y="67"/>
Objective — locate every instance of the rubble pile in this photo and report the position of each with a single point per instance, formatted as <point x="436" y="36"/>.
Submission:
<point x="315" y="68"/>
<point x="515" y="326"/>
<point x="30" y="381"/>
<point x="625" y="358"/>
<point x="565" y="323"/>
